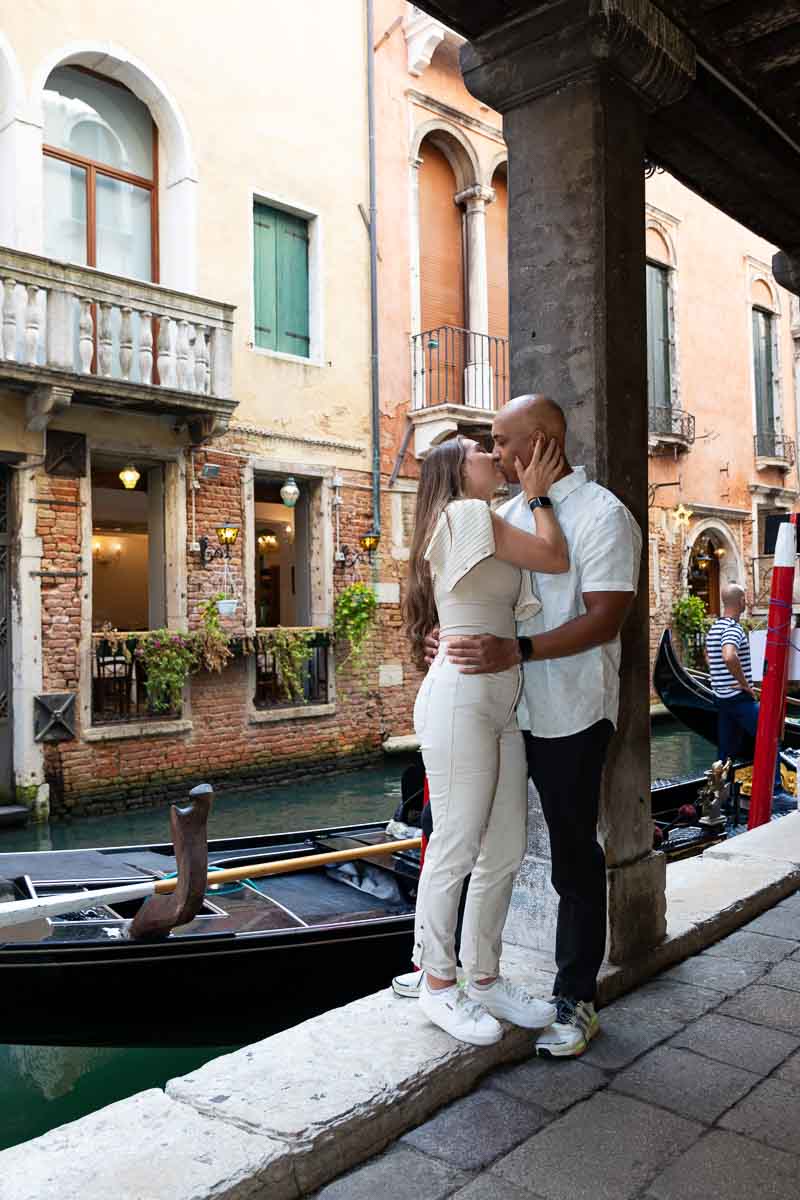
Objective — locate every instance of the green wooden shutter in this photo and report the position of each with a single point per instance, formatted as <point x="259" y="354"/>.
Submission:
<point x="292" y="285"/>
<point x="762" y="373"/>
<point x="265" y="276"/>
<point x="659" y="389"/>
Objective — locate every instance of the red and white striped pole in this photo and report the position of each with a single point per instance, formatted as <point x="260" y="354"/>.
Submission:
<point x="776" y="666"/>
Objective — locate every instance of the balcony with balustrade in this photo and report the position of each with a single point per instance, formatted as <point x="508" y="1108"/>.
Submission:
<point x="73" y="334"/>
<point x="773" y="451"/>
<point x="670" y="430"/>
<point x="459" y="381"/>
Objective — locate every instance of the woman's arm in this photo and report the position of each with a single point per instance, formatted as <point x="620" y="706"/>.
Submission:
<point x="543" y="551"/>
<point x="546" y="550"/>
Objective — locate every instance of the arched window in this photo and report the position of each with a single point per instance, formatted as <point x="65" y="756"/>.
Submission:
<point x="100" y="175"/>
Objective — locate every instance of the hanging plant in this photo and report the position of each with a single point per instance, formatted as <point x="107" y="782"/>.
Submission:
<point x="354" y="615"/>
<point x="168" y="659"/>
<point x="691" y="621"/>
<point x="291" y="649"/>
<point x="211" y="640"/>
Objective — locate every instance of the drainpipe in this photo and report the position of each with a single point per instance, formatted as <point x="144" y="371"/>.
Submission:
<point x="373" y="277"/>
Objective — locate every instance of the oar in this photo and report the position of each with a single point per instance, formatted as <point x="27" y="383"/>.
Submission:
<point x="31" y="912"/>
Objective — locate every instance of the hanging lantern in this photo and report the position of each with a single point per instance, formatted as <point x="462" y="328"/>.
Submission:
<point x="129" y="477"/>
<point x="227" y="535"/>
<point x="369" y="541"/>
<point x="290" y="492"/>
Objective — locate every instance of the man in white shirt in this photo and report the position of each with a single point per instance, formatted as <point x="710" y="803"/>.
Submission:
<point x="571" y="656"/>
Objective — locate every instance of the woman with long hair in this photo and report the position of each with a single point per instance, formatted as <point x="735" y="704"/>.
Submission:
<point x="469" y="572"/>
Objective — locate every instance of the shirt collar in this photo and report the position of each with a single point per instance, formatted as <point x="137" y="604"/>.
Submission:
<point x="569" y="484"/>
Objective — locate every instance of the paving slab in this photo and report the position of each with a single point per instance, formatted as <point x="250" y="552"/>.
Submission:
<point x="739" y="1043"/>
<point x="146" y="1148"/>
<point x="402" y="1173"/>
<point x="784" y="974"/>
<point x="685" y="1083"/>
<point x="623" y="1037"/>
<point x="777" y="841"/>
<point x="489" y="1186"/>
<point x="474" y="1131"/>
<point x="790" y="1069"/>
<point x="763" y="1005"/>
<point x="726" y="975"/>
<point x="554" y="1086"/>
<point x="752" y="947"/>
<point x="667" y="1000"/>
<point x="606" y="1148"/>
<point x="778" y="922"/>
<point x="771" y="1114"/>
<point x="724" y="1166"/>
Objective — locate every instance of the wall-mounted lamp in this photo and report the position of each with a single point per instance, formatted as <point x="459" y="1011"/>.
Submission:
<point x="103" y="554"/>
<point x="368" y="543"/>
<point x="290" y="492"/>
<point x="268" y="542"/>
<point x="129" y="477"/>
<point x="227" y="535"/>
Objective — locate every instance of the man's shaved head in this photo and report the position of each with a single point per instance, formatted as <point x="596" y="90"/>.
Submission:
<point x="732" y="595"/>
<point x="533" y="413"/>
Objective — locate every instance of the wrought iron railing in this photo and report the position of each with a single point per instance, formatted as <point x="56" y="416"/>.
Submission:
<point x="768" y="444"/>
<point x="673" y="423"/>
<point x="458" y="366"/>
<point x="273" y="692"/>
<point x="119" y="682"/>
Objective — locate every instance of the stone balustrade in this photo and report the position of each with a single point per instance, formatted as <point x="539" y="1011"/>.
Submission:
<point x="83" y="322"/>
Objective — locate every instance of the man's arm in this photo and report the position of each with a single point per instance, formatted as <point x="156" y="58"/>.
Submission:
<point x="731" y="659"/>
<point x="602" y="621"/>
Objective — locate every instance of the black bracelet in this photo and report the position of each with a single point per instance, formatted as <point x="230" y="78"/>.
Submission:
<point x="525" y="648"/>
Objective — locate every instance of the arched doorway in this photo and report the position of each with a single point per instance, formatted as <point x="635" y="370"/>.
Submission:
<point x="704" y="574"/>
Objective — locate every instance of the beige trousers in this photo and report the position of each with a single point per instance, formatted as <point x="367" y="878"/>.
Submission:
<point x="477" y="777"/>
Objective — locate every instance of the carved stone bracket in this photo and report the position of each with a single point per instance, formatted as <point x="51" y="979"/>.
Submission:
<point x="573" y="40"/>
<point x="206" y="426"/>
<point x="43" y="404"/>
<point x="423" y="35"/>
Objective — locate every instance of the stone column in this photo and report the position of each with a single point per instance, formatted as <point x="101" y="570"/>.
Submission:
<point x="478" y="371"/>
<point x="575" y="84"/>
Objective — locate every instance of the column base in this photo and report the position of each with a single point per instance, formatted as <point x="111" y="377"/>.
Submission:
<point x="637" y="907"/>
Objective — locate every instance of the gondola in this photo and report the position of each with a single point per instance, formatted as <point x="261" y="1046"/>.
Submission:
<point x="260" y="956"/>
<point x="692" y="703"/>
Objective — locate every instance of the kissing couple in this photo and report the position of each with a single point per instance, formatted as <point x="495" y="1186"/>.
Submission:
<point x="517" y="614"/>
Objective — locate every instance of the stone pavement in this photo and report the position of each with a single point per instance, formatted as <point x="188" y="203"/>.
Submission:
<point x="690" y="1092"/>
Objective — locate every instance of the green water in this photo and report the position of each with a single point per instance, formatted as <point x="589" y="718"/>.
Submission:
<point x="45" y="1086"/>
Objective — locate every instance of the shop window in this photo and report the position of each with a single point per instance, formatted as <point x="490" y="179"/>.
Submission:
<point x="128" y="582"/>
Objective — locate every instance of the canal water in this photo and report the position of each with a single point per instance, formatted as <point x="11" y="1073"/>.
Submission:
<point x="45" y="1086"/>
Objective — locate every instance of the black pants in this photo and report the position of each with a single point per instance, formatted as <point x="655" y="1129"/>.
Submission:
<point x="567" y="772"/>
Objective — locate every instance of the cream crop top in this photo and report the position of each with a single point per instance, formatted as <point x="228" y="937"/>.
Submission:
<point x="474" y="591"/>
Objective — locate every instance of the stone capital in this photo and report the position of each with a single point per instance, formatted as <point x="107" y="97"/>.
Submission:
<point x="475" y="197"/>
<point x="576" y="40"/>
<point x="786" y="269"/>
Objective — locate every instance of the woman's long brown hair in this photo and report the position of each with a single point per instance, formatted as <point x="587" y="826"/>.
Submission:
<point x="440" y="481"/>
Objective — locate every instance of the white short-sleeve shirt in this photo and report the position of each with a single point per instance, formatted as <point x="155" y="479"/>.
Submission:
<point x="562" y="696"/>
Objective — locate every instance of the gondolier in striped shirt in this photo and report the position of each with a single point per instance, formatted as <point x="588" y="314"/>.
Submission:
<point x="728" y="652"/>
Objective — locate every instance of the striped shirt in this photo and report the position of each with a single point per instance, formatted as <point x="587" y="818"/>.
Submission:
<point x="727" y="632"/>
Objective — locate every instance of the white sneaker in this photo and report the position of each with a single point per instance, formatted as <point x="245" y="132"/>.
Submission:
<point x="512" y="1003"/>
<point x="453" y="1011"/>
<point x="409" y="985"/>
<point x="569" y="1035"/>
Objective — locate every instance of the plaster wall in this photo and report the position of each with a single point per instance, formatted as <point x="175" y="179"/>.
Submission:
<point x="253" y="86"/>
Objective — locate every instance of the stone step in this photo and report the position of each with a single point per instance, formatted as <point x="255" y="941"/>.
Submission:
<point x="13" y="815"/>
